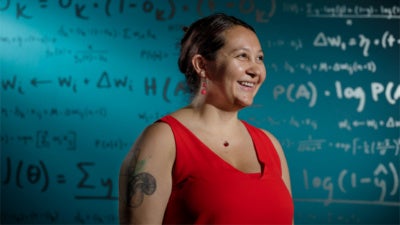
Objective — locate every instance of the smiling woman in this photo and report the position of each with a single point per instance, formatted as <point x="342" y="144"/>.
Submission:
<point x="201" y="163"/>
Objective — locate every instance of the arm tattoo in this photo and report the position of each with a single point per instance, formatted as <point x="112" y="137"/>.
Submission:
<point x="139" y="183"/>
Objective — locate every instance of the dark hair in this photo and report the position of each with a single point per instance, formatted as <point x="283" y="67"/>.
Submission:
<point x="204" y="37"/>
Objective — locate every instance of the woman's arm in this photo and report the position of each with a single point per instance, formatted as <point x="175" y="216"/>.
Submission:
<point x="145" y="180"/>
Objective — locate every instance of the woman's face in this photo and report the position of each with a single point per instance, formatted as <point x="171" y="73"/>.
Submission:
<point x="238" y="70"/>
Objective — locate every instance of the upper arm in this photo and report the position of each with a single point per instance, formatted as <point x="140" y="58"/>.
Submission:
<point x="284" y="166"/>
<point x="145" y="180"/>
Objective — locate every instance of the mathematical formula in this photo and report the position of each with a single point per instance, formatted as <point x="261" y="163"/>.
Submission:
<point x="27" y="174"/>
<point x="161" y="12"/>
<point x="357" y="146"/>
<point x="384" y="180"/>
<point x="45" y="139"/>
<point x="21" y="112"/>
<point x="308" y="92"/>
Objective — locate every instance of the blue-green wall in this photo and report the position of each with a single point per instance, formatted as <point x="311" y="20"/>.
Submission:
<point x="81" y="79"/>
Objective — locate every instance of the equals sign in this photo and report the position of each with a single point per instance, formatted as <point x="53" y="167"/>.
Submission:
<point x="61" y="179"/>
<point x="43" y="3"/>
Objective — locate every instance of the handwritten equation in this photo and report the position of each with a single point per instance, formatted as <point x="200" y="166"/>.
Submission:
<point x="309" y="93"/>
<point x="42" y="139"/>
<point x="349" y="68"/>
<point x="386" y="41"/>
<point x="357" y="146"/>
<point x="104" y="81"/>
<point x="27" y="174"/>
<point x="21" y="112"/>
<point x="384" y="180"/>
<point x="344" y="11"/>
<point x="374" y="124"/>
<point x="55" y="217"/>
<point x="167" y="10"/>
<point x="45" y="139"/>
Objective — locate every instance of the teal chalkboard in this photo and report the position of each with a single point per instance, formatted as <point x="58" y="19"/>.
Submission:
<point x="81" y="79"/>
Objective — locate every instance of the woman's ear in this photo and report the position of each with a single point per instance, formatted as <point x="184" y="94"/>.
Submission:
<point x="199" y="63"/>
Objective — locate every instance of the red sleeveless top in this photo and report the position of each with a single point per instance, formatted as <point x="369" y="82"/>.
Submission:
<point x="208" y="190"/>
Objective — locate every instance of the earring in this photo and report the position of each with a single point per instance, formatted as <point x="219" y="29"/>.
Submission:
<point x="203" y="90"/>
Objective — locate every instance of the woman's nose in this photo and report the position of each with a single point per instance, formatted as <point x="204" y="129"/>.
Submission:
<point x="256" y="69"/>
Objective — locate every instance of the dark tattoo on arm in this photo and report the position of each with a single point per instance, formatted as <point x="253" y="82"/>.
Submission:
<point x="139" y="183"/>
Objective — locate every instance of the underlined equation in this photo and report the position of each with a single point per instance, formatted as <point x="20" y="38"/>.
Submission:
<point x="261" y="12"/>
<point x="381" y="182"/>
<point x="36" y="175"/>
<point x="308" y="93"/>
<point x="355" y="146"/>
<point x="354" y="11"/>
<point x="22" y="112"/>
<point x="384" y="11"/>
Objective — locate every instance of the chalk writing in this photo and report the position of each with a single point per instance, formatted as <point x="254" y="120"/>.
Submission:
<point x="22" y="112"/>
<point x="386" y="41"/>
<point x="22" y="40"/>
<point x="37" y="174"/>
<point x="111" y="144"/>
<point x="95" y="218"/>
<point x="310" y="144"/>
<point x="308" y="92"/>
<point x="389" y="123"/>
<point x="344" y="11"/>
<point x="346" y="181"/>
<point x="42" y="139"/>
<point x="295" y="92"/>
<point x="355" y="146"/>
<point x="32" y="217"/>
<point x="84" y="11"/>
<point x="103" y="81"/>
<point x="150" y="88"/>
<point x="356" y="11"/>
<point x="124" y="33"/>
<point x="383" y="147"/>
<point x="350" y="68"/>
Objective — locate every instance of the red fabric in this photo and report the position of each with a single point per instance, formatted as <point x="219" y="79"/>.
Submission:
<point x="208" y="190"/>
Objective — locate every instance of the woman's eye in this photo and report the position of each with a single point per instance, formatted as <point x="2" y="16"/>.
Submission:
<point x="260" y="58"/>
<point x="243" y="56"/>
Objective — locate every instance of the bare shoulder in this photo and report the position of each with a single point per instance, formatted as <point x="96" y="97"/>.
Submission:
<point x="145" y="179"/>
<point x="156" y="140"/>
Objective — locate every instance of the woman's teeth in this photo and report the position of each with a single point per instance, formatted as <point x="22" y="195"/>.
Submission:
<point x="247" y="84"/>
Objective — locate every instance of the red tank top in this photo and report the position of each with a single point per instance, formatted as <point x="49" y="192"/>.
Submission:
<point x="208" y="190"/>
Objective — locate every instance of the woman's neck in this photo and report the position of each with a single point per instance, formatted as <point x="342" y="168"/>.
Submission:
<point x="214" y="118"/>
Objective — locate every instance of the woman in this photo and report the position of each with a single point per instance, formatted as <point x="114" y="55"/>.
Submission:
<point x="201" y="164"/>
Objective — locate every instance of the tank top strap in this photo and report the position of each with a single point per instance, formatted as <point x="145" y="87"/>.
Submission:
<point x="266" y="152"/>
